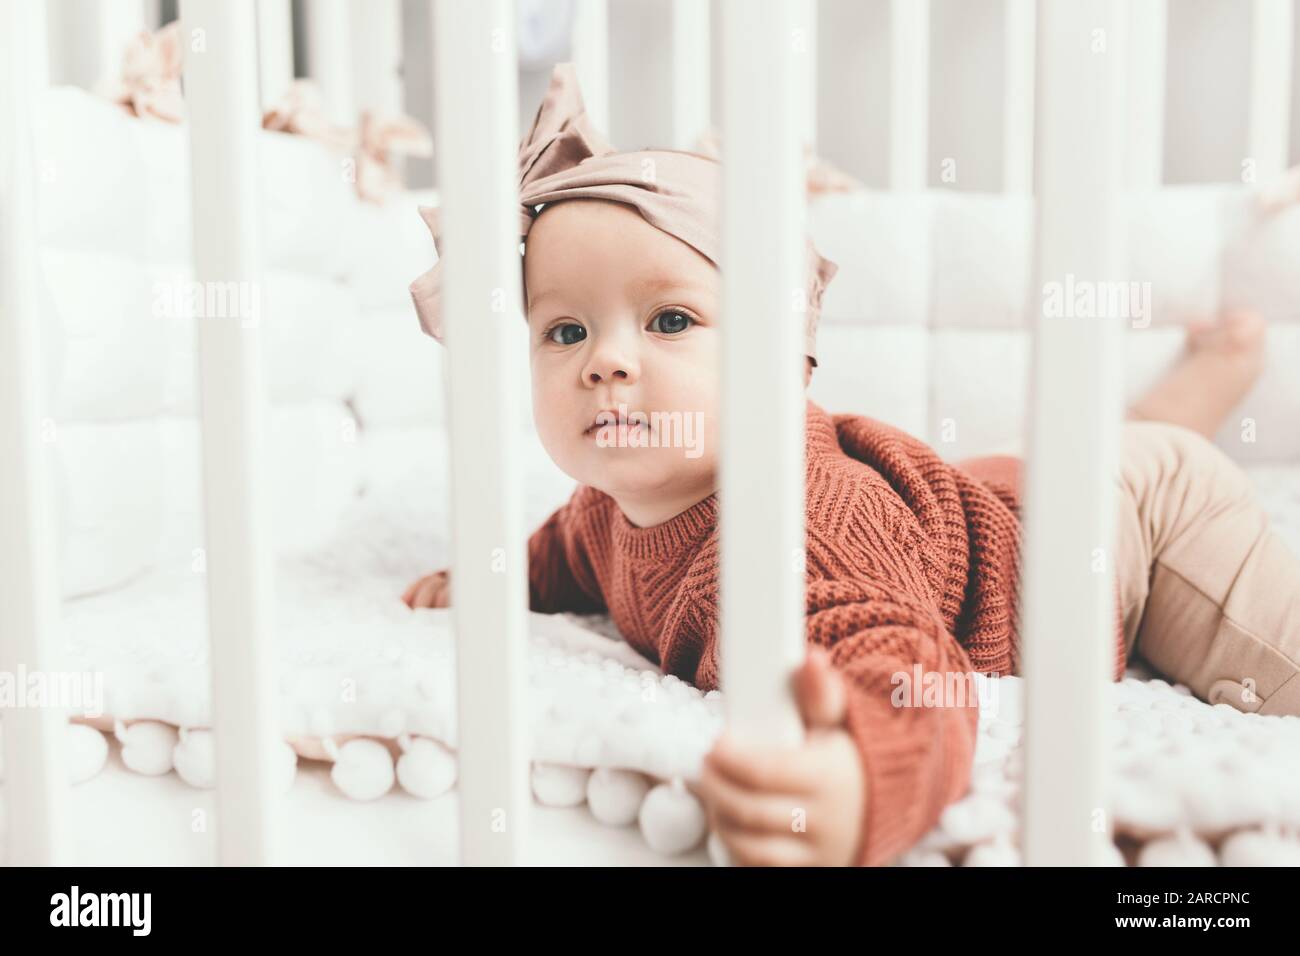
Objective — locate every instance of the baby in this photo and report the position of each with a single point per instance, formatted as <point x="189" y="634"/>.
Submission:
<point x="912" y="562"/>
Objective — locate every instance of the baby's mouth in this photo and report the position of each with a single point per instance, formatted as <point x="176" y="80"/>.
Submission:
<point x="611" y="420"/>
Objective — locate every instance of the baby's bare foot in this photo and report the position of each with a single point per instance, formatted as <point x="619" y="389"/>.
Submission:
<point x="1220" y="364"/>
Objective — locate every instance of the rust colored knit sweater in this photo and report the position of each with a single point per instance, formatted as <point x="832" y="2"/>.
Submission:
<point x="910" y="561"/>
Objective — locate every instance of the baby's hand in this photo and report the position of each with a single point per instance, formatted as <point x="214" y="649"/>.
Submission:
<point x="432" y="590"/>
<point x="791" y="807"/>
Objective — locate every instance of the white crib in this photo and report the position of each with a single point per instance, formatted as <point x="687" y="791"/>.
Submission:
<point x="1083" y="108"/>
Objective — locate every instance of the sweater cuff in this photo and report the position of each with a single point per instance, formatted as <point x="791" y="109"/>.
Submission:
<point x="916" y="761"/>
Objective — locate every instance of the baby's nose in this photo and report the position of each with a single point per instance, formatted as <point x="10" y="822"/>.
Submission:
<point x="611" y="364"/>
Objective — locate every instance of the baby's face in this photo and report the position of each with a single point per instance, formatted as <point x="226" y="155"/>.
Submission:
<point x="621" y="313"/>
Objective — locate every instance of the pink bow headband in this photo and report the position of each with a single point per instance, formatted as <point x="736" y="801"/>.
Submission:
<point x="563" y="157"/>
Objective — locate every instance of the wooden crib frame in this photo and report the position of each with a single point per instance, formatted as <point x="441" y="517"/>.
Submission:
<point x="1079" y="129"/>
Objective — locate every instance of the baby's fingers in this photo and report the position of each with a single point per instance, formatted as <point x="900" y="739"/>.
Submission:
<point x="427" y="595"/>
<point x="442" y="593"/>
<point x="410" y="591"/>
<point x="732" y="806"/>
<point x="748" y="848"/>
<point x="432" y="590"/>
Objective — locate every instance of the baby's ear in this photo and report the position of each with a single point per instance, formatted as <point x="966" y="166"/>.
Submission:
<point x="807" y="371"/>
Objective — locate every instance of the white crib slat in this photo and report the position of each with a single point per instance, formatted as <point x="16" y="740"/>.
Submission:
<point x="1269" y="123"/>
<point x="591" y="58"/>
<point x="762" y="401"/>
<point x="329" y="56"/>
<point x="477" y="125"/>
<point x="224" y="120"/>
<point x="274" y="49"/>
<point x="1018" y="97"/>
<point x="690" y="72"/>
<point x="805" y="57"/>
<point x="1148" y="23"/>
<point x="1075" y="392"/>
<point x="35" y="786"/>
<point x="377" y="55"/>
<point x="38" y="56"/>
<point x="116" y="23"/>
<point x="88" y="38"/>
<point x="909" y="94"/>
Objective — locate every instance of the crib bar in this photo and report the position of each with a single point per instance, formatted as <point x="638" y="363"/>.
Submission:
<point x="1148" y="23"/>
<point x="690" y="71"/>
<point x="591" y="58"/>
<point x="1269" y="122"/>
<point x="1076" y="389"/>
<point x="1018" y="97"/>
<point x="761" y="437"/>
<point x="224" y="119"/>
<point x="274" y="49"/>
<point x="116" y="22"/>
<point x="87" y="38"/>
<point x="38" y="55"/>
<point x="329" y="56"/>
<point x="805" y="50"/>
<point x="35" y="786"/>
<point x="477" y="125"/>
<point x="909" y="93"/>
<point x="377" y="55"/>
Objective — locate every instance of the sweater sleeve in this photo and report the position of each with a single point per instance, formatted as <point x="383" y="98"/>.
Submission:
<point x="560" y="574"/>
<point x="917" y="746"/>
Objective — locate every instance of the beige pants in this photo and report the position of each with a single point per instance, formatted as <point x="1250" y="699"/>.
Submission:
<point x="1210" y="594"/>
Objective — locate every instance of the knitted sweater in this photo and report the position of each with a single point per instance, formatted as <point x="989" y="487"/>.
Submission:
<point x="912" y="564"/>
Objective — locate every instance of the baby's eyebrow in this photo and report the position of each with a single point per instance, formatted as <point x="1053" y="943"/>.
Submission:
<point x="666" y="283"/>
<point x="642" y="287"/>
<point x="542" y="296"/>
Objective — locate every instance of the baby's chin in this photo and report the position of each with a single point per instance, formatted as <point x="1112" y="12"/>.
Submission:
<point x="634" y="471"/>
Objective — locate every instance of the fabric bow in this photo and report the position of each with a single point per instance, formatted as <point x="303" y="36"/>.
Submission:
<point x="383" y="137"/>
<point x="564" y="157"/>
<point x="301" y="110"/>
<point x="150" y="84"/>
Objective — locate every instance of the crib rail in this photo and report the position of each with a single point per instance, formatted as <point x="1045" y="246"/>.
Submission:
<point x="1075" y="408"/>
<point x="29" y="607"/>
<point x="909" y="94"/>
<point x="762" y="421"/>
<point x="1069" y="135"/>
<point x="1269" y="124"/>
<point x="221" y="88"/>
<point x="691" y="83"/>
<point x="477" y="118"/>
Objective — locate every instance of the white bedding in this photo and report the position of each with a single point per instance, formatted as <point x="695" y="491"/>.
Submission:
<point x="1181" y="766"/>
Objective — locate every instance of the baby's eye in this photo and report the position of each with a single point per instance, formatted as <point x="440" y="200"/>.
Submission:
<point x="677" y="321"/>
<point x="578" y="334"/>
